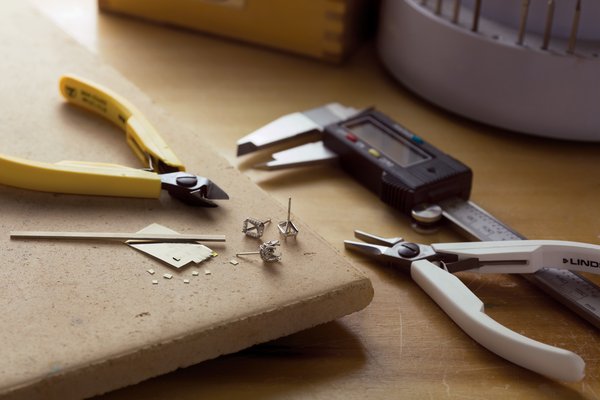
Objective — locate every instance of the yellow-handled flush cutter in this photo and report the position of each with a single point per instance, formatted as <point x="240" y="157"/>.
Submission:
<point x="163" y="168"/>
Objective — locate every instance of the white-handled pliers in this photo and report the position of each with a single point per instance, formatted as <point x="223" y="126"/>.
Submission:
<point x="431" y="267"/>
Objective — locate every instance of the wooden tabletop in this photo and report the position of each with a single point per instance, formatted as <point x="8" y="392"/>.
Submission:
<point x="402" y="345"/>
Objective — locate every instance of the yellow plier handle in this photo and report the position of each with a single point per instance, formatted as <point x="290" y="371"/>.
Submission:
<point x="163" y="169"/>
<point x="141" y="136"/>
<point x="79" y="178"/>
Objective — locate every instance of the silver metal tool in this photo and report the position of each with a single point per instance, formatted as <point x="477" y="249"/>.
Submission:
<point x="380" y="153"/>
<point x="574" y="28"/>
<point x="476" y="16"/>
<point x="523" y="23"/>
<point x="548" y="26"/>
<point x="431" y="267"/>
<point x="292" y="125"/>
<point x="307" y="154"/>
<point x="456" y="11"/>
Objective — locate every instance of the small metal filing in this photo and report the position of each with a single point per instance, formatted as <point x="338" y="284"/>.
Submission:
<point x="287" y="228"/>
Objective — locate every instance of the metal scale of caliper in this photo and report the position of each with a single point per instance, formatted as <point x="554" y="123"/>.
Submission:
<point x="410" y="175"/>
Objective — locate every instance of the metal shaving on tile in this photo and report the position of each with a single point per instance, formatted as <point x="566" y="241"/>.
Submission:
<point x="167" y="276"/>
<point x="186" y="281"/>
<point x="207" y="272"/>
<point x="195" y="273"/>
<point x="154" y="282"/>
<point x="234" y="262"/>
<point x="150" y="271"/>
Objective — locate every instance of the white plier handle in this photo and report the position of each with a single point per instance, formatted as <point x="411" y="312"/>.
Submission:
<point x="432" y="267"/>
<point x="526" y="256"/>
<point x="467" y="311"/>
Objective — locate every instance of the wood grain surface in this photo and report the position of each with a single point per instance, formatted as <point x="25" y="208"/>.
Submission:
<point x="402" y="345"/>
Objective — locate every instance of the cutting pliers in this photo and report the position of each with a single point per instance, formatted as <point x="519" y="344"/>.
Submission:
<point x="163" y="168"/>
<point x="431" y="267"/>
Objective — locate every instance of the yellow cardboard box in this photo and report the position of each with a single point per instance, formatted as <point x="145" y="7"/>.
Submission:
<point x="325" y="29"/>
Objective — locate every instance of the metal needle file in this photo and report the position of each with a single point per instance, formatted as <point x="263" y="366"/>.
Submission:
<point x="548" y="27"/>
<point x="523" y="23"/>
<point x="456" y="11"/>
<point x="476" y="15"/>
<point x="574" y="28"/>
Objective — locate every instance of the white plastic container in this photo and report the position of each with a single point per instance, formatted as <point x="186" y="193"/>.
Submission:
<point x="487" y="76"/>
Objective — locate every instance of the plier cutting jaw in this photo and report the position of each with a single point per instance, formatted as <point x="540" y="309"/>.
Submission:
<point x="431" y="267"/>
<point x="397" y="251"/>
<point x="144" y="140"/>
<point x="163" y="168"/>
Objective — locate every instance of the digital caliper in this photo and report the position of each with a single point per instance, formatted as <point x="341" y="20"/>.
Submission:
<point x="410" y="175"/>
<point x="403" y="169"/>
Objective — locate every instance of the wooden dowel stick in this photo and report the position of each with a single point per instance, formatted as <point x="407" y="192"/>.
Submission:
<point x="159" y="237"/>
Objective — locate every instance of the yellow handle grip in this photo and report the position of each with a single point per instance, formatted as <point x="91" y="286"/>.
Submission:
<point x="97" y="178"/>
<point x="79" y="178"/>
<point x="143" y="139"/>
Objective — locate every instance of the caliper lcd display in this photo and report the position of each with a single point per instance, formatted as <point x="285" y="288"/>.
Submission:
<point x="392" y="147"/>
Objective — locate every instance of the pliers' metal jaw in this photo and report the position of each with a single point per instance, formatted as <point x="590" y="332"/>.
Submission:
<point x="192" y="189"/>
<point x="397" y="251"/>
<point x="504" y="257"/>
<point x="392" y="250"/>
